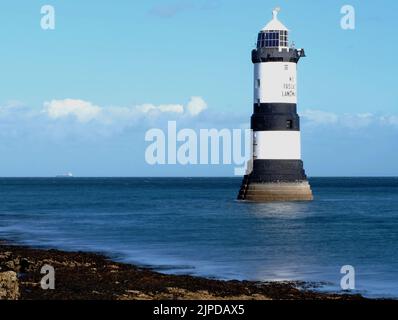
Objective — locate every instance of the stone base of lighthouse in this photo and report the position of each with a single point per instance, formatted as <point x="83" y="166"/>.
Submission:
<point x="276" y="191"/>
<point x="276" y="181"/>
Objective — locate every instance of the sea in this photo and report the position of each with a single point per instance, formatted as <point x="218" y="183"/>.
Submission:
<point x="196" y="226"/>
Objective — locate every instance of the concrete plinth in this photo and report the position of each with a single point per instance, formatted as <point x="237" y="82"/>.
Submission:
<point x="275" y="191"/>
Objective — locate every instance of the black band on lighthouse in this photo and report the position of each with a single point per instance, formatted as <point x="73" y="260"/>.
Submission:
<point x="275" y="117"/>
<point x="275" y="108"/>
<point x="275" y="122"/>
<point x="274" y="55"/>
<point x="265" y="171"/>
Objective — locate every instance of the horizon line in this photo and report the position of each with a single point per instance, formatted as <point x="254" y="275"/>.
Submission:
<point x="178" y="177"/>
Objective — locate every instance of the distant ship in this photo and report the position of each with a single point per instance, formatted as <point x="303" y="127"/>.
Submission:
<point x="66" y="175"/>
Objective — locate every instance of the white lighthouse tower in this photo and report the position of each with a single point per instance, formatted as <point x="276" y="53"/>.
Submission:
<point x="276" y="172"/>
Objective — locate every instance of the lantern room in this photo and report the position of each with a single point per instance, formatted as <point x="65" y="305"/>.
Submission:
<point x="274" y="34"/>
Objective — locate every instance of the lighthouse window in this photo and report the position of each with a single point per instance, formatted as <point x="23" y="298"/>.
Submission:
<point x="289" y="124"/>
<point x="272" y="39"/>
<point x="283" y="38"/>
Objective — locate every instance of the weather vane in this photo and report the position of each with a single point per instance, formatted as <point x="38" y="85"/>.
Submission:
<point x="275" y="12"/>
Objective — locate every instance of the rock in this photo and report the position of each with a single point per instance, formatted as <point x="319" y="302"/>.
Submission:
<point x="13" y="265"/>
<point x="9" y="288"/>
<point x="5" y="255"/>
<point x="24" y="265"/>
<point x="18" y="265"/>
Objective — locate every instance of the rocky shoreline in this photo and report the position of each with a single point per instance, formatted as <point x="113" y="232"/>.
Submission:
<point x="87" y="276"/>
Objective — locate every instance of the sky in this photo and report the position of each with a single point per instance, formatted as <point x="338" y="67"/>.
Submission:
<point x="80" y="98"/>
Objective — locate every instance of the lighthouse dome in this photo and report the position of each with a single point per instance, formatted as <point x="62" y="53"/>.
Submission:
<point x="274" y="34"/>
<point x="275" y="24"/>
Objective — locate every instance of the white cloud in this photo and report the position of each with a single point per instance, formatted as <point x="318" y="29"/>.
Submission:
<point x="319" y="117"/>
<point x="10" y="104"/>
<point x="163" y="108"/>
<point x="359" y="120"/>
<point x="347" y="120"/>
<point x="84" y="111"/>
<point x="196" y="106"/>
<point x="390" y="120"/>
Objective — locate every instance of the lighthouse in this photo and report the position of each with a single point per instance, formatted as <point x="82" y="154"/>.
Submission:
<point x="276" y="171"/>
